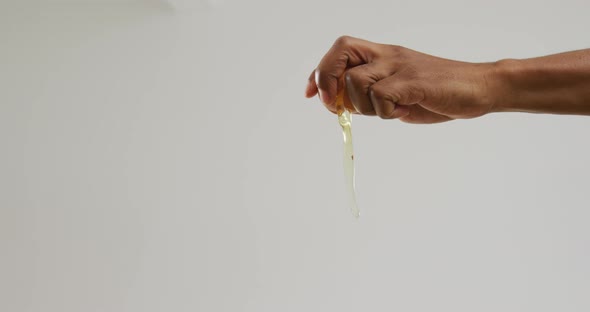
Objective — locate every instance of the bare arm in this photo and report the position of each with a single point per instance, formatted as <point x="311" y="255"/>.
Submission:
<point x="556" y="84"/>
<point x="395" y="82"/>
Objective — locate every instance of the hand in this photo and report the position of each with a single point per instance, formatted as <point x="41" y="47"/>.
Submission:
<point x="394" y="82"/>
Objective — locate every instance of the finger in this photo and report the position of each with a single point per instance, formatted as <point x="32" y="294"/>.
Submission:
<point x="331" y="107"/>
<point x="345" y="53"/>
<point x="358" y="82"/>
<point x="347" y="102"/>
<point x="400" y="111"/>
<point x="389" y="94"/>
<point x="420" y="115"/>
<point x="341" y="100"/>
<point x="311" y="89"/>
<point x="385" y="109"/>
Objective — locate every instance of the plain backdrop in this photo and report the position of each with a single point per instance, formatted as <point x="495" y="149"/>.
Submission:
<point x="161" y="156"/>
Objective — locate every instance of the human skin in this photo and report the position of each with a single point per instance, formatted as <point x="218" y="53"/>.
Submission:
<point x="391" y="81"/>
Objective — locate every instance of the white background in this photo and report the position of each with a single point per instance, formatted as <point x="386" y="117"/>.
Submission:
<point x="160" y="156"/>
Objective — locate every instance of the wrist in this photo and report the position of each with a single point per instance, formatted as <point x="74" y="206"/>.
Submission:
<point x="500" y="81"/>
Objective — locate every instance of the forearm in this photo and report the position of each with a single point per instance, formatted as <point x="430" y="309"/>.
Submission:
<point x="557" y="84"/>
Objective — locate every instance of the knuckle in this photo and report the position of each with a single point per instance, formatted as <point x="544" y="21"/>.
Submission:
<point x="379" y="93"/>
<point x="349" y="76"/>
<point x="353" y="76"/>
<point x="343" y="41"/>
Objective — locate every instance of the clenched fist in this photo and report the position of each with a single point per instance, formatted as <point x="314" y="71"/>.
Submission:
<point x="395" y="82"/>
